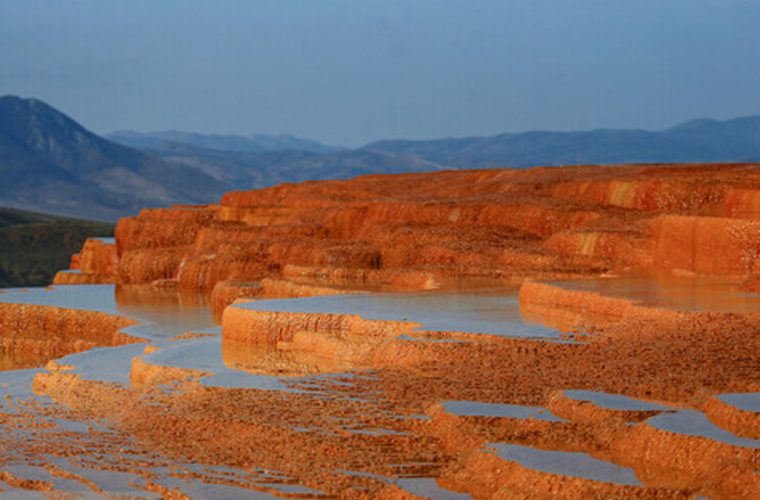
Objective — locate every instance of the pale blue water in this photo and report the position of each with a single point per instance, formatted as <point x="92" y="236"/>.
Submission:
<point x="478" y="409"/>
<point x="489" y="313"/>
<point x="566" y="463"/>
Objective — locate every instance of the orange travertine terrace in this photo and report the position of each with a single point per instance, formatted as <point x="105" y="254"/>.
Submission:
<point x="388" y="417"/>
<point x="412" y="230"/>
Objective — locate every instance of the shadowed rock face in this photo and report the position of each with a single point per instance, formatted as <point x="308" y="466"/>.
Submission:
<point x="580" y="390"/>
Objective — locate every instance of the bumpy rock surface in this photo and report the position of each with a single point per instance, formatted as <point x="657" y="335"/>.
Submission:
<point x="417" y="231"/>
<point x="368" y="407"/>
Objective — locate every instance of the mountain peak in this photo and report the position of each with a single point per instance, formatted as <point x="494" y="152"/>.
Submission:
<point x="24" y="118"/>
<point x="16" y="103"/>
<point x="52" y="163"/>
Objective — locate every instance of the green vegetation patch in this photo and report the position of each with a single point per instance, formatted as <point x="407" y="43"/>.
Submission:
<point x="33" y="247"/>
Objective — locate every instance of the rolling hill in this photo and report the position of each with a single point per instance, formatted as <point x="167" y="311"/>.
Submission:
<point x="275" y="167"/>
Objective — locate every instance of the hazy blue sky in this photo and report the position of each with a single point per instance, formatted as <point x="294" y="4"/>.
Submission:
<point x="350" y="71"/>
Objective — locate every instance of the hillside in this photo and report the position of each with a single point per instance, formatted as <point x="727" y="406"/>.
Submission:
<point x="34" y="246"/>
<point x="50" y="163"/>
<point x="241" y="160"/>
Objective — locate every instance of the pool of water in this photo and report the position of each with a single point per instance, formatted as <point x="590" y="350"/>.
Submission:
<point x="426" y="487"/>
<point x="572" y="464"/>
<point x="493" y="312"/>
<point x="205" y="354"/>
<point x="748" y="401"/>
<point x="478" y="409"/>
<point x="161" y="316"/>
<point x="615" y="401"/>
<point x="694" y="423"/>
<point x="164" y="315"/>
<point x="99" y="298"/>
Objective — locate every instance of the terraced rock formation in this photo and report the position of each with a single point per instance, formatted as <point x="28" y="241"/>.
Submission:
<point x="419" y="231"/>
<point x="551" y="333"/>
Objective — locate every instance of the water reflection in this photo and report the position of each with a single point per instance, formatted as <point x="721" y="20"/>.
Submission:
<point x="22" y="360"/>
<point x="495" y="312"/>
<point x="166" y="313"/>
<point x="162" y="314"/>
<point x="683" y="294"/>
<point x="260" y="359"/>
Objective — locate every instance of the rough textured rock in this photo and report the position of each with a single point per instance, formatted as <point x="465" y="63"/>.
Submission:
<point x="418" y="230"/>
<point x="97" y="263"/>
<point x="227" y="292"/>
<point x="373" y="400"/>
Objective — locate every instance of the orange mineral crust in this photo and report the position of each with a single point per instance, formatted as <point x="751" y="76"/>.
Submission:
<point x="741" y="422"/>
<point x="96" y="263"/>
<point x="539" y="222"/>
<point x="227" y="292"/>
<point x="581" y="332"/>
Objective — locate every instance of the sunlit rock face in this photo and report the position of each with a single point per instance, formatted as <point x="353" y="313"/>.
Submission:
<point x="415" y="231"/>
<point x="584" y="332"/>
<point x="95" y="264"/>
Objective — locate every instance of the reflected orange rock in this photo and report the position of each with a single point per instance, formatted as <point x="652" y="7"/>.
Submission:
<point x="227" y="292"/>
<point x="45" y="332"/>
<point x="148" y="296"/>
<point x="146" y="374"/>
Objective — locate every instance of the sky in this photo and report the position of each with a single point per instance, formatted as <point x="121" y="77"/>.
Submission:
<point x="348" y="72"/>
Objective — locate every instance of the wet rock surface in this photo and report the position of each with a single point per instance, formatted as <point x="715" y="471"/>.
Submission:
<point x="563" y="333"/>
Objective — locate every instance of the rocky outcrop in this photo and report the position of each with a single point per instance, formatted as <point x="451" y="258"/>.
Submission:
<point x="96" y="263"/>
<point x="417" y="231"/>
<point x="266" y="327"/>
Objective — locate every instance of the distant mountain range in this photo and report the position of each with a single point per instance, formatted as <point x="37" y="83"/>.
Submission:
<point x="50" y="163"/>
<point x="694" y="141"/>
<point x="255" y="143"/>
